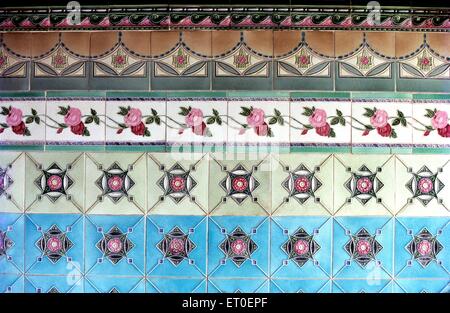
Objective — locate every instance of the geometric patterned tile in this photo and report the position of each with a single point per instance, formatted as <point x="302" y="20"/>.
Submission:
<point x="12" y="175"/>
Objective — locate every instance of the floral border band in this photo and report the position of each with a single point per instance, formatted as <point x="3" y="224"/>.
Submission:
<point x="223" y="122"/>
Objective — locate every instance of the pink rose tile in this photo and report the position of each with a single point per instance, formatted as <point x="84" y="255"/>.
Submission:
<point x="431" y="123"/>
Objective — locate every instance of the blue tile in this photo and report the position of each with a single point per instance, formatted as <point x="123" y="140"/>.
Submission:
<point x="11" y="283"/>
<point x="362" y="286"/>
<point x="300" y="285"/>
<point x="301" y="247"/>
<point x="178" y="285"/>
<point x="432" y="235"/>
<point x="114" y="284"/>
<point x="12" y="234"/>
<point x="54" y="284"/>
<point x="54" y="244"/>
<point x="422" y="285"/>
<point x="238" y="286"/>
<point x="363" y="247"/>
<point x="176" y="246"/>
<point x="238" y="246"/>
<point x="115" y="245"/>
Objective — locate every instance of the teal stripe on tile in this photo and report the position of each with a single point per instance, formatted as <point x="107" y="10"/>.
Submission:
<point x="196" y="94"/>
<point x="258" y="94"/>
<point x="401" y="150"/>
<point x="423" y="96"/>
<point x="23" y="94"/>
<point x="423" y="150"/>
<point x="319" y="94"/>
<point x="96" y="148"/>
<point x="140" y="148"/>
<point x="371" y="150"/>
<point x="320" y="149"/>
<point x="381" y="95"/>
<point x="135" y="94"/>
<point x="22" y="147"/>
<point x="76" y="94"/>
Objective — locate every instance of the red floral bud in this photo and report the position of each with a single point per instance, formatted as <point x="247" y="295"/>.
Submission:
<point x="59" y="130"/>
<point x="180" y="131"/>
<point x="1" y="130"/>
<point x="366" y="132"/>
<point x="119" y="131"/>
<point x="305" y="131"/>
<point x="426" y="133"/>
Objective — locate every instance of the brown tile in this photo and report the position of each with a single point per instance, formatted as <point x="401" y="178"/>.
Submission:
<point x="440" y="42"/>
<point x="346" y="42"/>
<point x="322" y="42"/>
<point x="260" y="40"/>
<point x="406" y="43"/>
<point x="20" y="43"/>
<point x="199" y="41"/>
<point x="224" y="40"/>
<point x="42" y="43"/>
<point x="101" y="42"/>
<point x="163" y="41"/>
<point x="285" y="41"/>
<point x="78" y="42"/>
<point x="137" y="41"/>
<point x="382" y="42"/>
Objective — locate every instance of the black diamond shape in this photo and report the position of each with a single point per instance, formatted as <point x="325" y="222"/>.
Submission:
<point x="176" y="246"/>
<point x="238" y="246"/>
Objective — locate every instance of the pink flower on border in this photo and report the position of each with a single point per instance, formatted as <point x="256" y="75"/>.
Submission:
<point x="256" y="118"/>
<point x="318" y="118"/>
<point x="194" y="117"/>
<point x="14" y="117"/>
<point x="439" y="119"/>
<point x="133" y="117"/>
<point x="73" y="117"/>
<point x="379" y="118"/>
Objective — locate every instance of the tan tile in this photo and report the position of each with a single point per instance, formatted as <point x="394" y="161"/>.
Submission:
<point x="285" y="41"/>
<point x="322" y="42"/>
<point x="101" y="42"/>
<point x="382" y="42"/>
<point x="346" y="42"/>
<point x="137" y="41"/>
<point x="260" y="40"/>
<point x="440" y="42"/>
<point x="20" y="43"/>
<point x="224" y="40"/>
<point x="43" y="42"/>
<point x="199" y="41"/>
<point x="78" y="42"/>
<point x="163" y="41"/>
<point x="406" y="43"/>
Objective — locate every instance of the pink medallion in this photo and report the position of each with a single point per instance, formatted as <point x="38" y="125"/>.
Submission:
<point x="54" y="182"/>
<point x="114" y="245"/>
<point x="301" y="247"/>
<point x="176" y="246"/>
<point x="363" y="247"/>
<point x="364" y="185"/>
<point x="177" y="183"/>
<point x="239" y="184"/>
<point x="115" y="183"/>
<point x="239" y="247"/>
<point x="54" y="244"/>
<point x="424" y="247"/>
<point x="425" y="185"/>
<point x="302" y="184"/>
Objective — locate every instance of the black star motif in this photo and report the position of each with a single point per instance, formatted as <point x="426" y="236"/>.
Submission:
<point x="301" y="184"/>
<point x="115" y="245"/>
<point x="300" y="247"/>
<point x="363" y="185"/>
<point x="238" y="246"/>
<point x="54" y="244"/>
<point x="424" y="247"/>
<point x="425" y="185"/>
<point x="5" y="181"/>
<point x="363" y="247"/>
<point x="5" y="243"/>
<point x="115" y="183"/>
<point x="177" y="183"/>
<point x="176" y="246"/>
<point x="54" y="182"/>
<point x="239" y="184"/>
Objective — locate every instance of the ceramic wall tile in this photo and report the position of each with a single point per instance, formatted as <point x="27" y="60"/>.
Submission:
<point x="431" y="120"/>
<point x="135" y="122"/>
<point x="12" y="176"/>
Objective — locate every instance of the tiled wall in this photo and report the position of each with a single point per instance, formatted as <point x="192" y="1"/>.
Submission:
<point x="216" y="121"/>
<point x="226" y="60"/>
<point x="161" y="222"/>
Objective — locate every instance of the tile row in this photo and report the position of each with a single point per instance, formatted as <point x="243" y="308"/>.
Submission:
<point x="360" y="123"/>
<point x="225" y="60"/>
<point x="221" y="184"/>
<point x="233" y="247"/>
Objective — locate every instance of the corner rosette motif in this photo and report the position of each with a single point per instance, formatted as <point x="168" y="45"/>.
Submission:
<point x="17" y="121"/>
<point x="259" y="121"/>
<point x="76" y="121"/>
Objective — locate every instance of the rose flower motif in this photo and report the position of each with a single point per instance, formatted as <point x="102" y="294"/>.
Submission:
<point x="78" y="129"/>
<point x="19" y="129"/>
<point x="318" y="118"/>
<point x="444" y="131"/>
<point x="133" y="118"/>
<point x="324" y="130"/>
<point x="138" y="129"/>
<point x="440" y="119"/>
<point x="379" y="118"/>
<point x="194" y="117"/>
<point x="14" y="117"/>
<point x="256" y="117"/>
<point x="262" y="130"/>
<point x="199" y="129"/>
<point x="73" y="117"/>
<point x="385" y="131"/>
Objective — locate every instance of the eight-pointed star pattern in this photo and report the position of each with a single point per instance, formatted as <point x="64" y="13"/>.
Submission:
<point x="177" y="183"/>
<point x="54" y="182"/>
<point x="238" y="246"/>
<point x="300" y="247"/>
<point x="239" y="184"/>
<point x="115" y="245"/>
<point x="424" y="247"/>
<point x="54" y="244"/>
<point x="363" y="247"/>
<point x="301" y="184"/>
<point x="5" y="243"/>
<point x="176" y="246"/>
<point x="363" y="185"/>
<point x="5" y="181"/>
<point x="115" y="183"/>
<point x="424" y="185"/>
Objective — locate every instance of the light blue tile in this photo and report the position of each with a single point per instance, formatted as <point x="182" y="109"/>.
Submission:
<point x="11" y="283"/>
<point x="362" y="286"/>
<point x="112" y="284"/>
<point x="422" y="285"/>
<point x="55" y="284"/>
<point x="300" y="285"/>
<point x="12" y="228"/>
<point x="238" y="286"/>
<point x="178" y="285"/>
